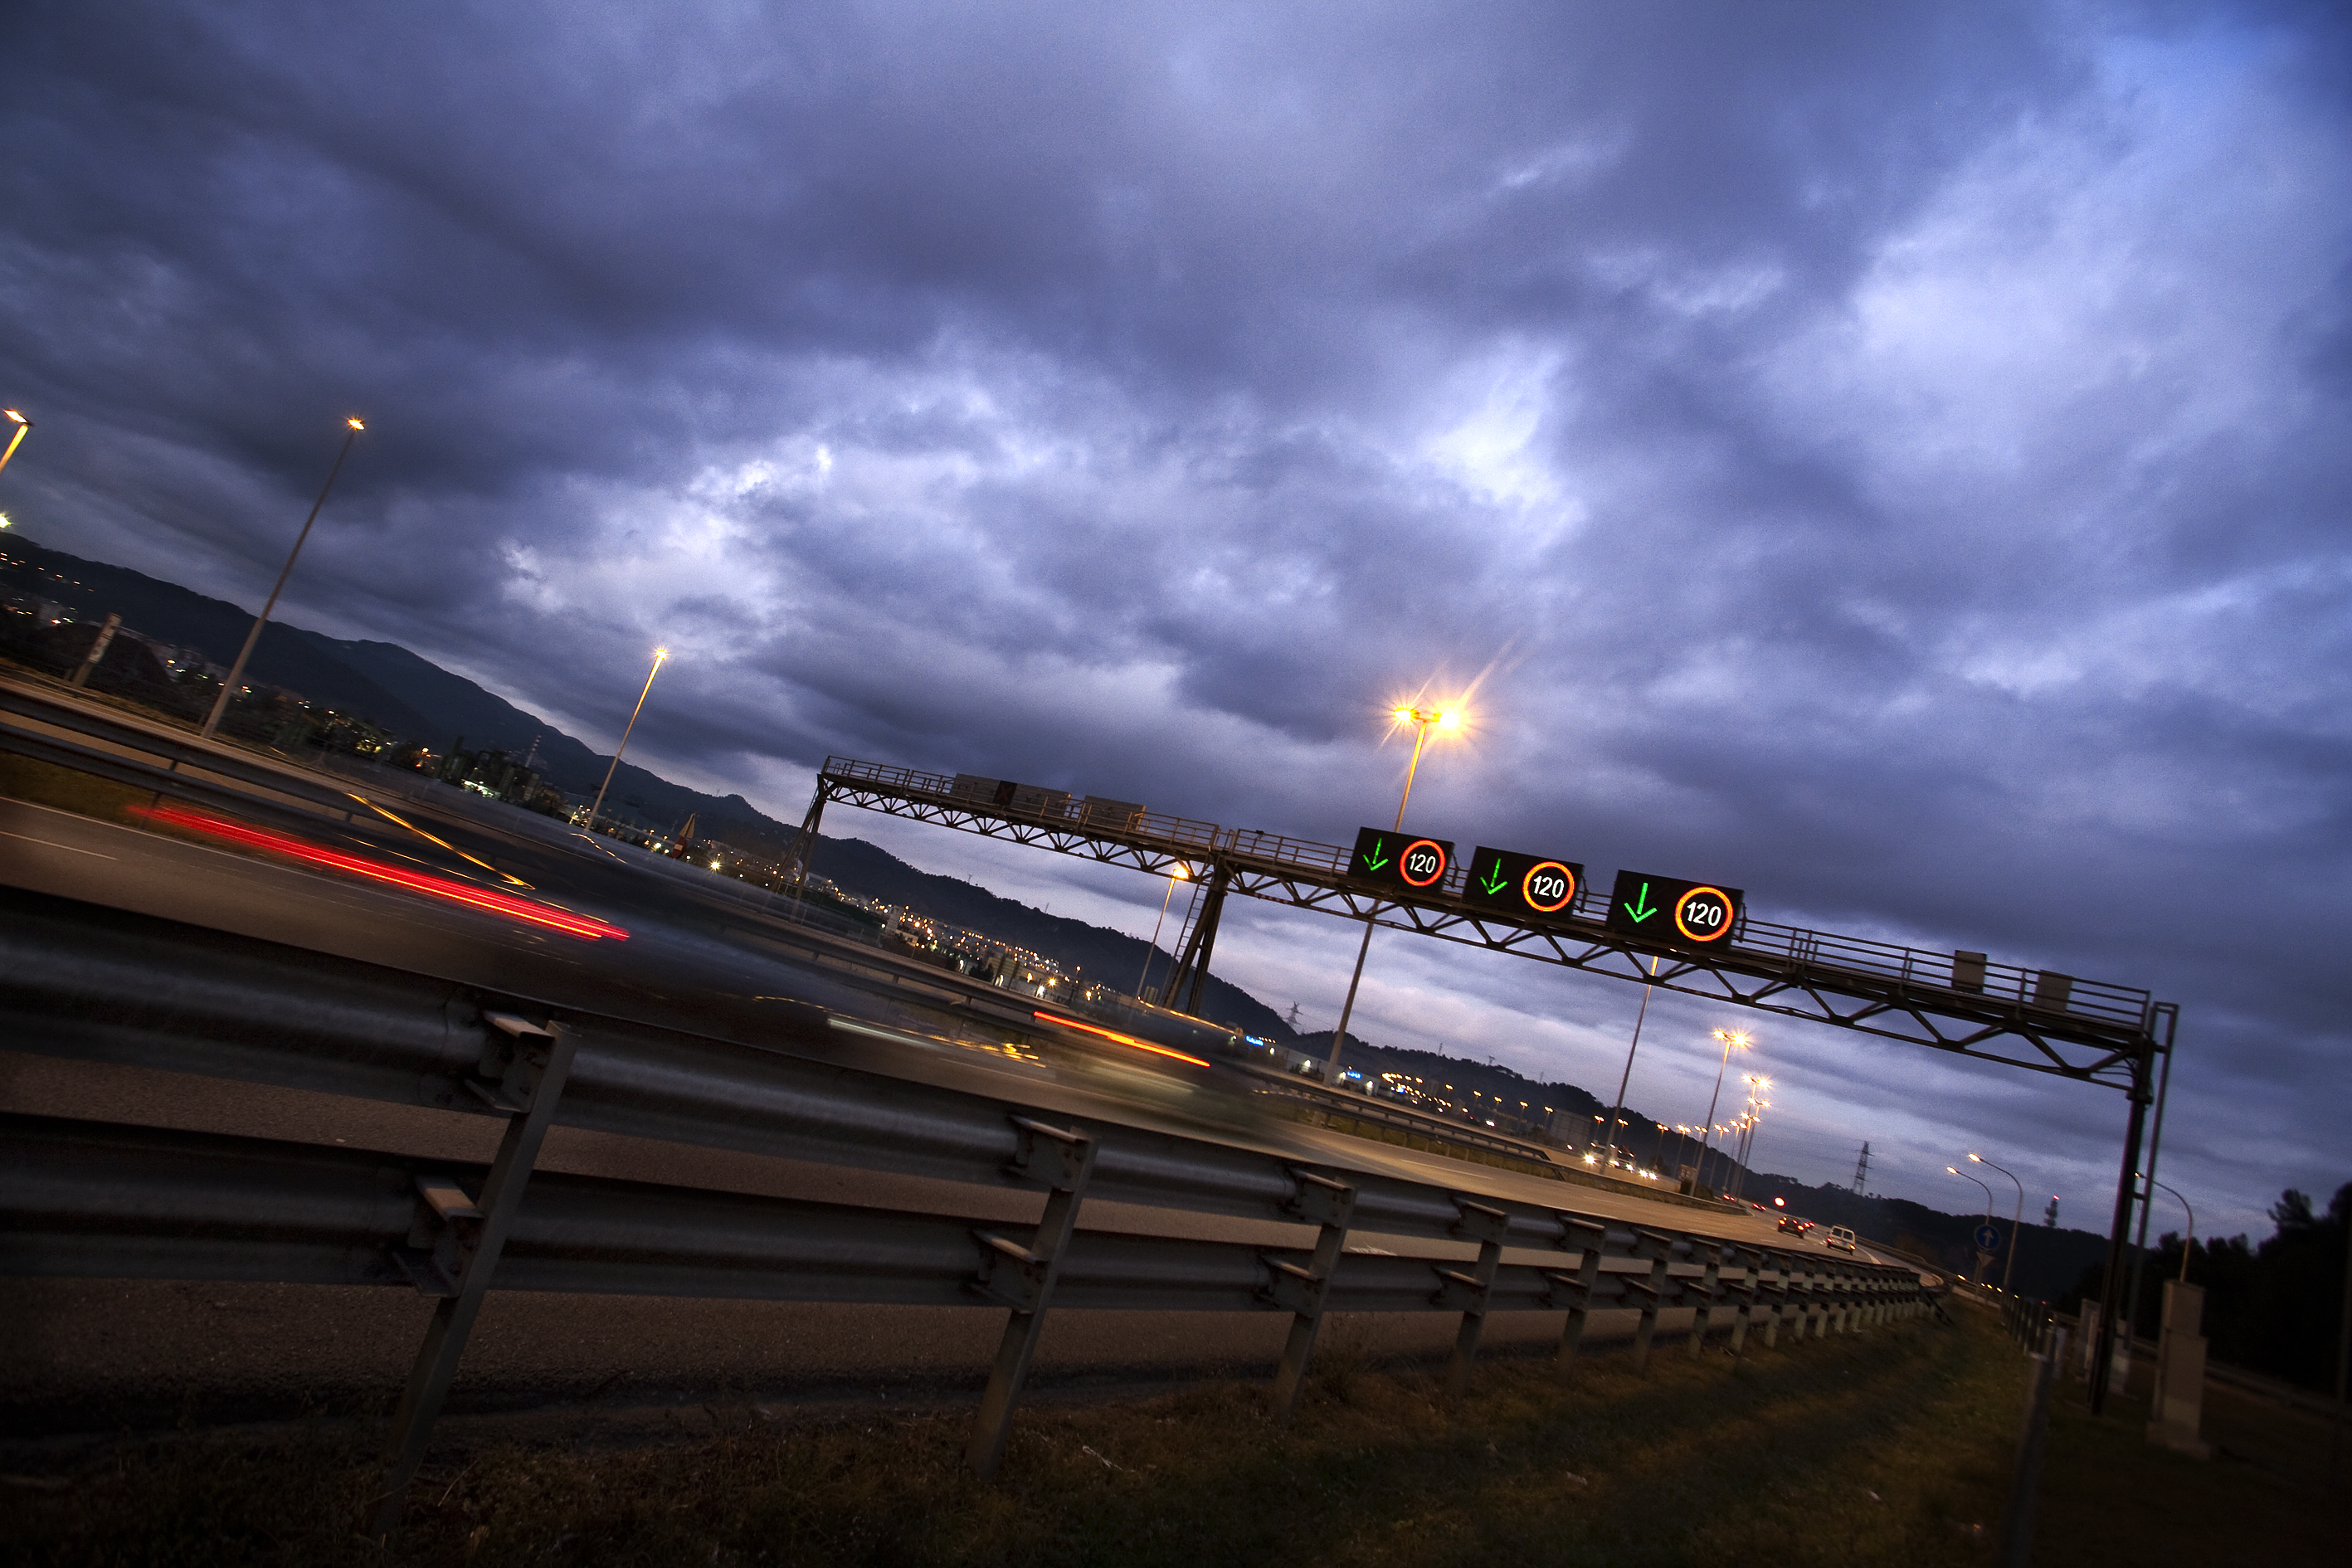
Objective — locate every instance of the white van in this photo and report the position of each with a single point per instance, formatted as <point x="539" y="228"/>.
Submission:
<point x="1840" y="1239"/>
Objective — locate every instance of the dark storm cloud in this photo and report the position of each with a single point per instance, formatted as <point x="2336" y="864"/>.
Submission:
<point x="1887" y="456"/>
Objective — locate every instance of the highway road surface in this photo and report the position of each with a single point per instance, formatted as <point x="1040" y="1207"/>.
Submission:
<point x="95" y="1355"/>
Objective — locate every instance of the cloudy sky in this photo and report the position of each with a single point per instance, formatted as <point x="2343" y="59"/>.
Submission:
<point x="1889" y="457"/>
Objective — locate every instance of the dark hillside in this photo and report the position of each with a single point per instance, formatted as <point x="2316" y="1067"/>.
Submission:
<point x="300" y="661"/>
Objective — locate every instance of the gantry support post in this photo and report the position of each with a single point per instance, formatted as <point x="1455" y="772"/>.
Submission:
<point x="804" y="850"/>
<point x="2111" y="1292"/>
<point x="1194" y="963"/>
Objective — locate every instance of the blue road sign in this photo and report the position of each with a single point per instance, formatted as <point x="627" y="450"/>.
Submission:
<point x="1988" y="1239"/>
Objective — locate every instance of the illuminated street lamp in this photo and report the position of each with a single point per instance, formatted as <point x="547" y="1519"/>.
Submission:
<point x="17" y="439"/>
<point x="1956" y="1171"/>
<point x="237" y="670"/>
<point x="2016" y="1226"/>
<point x="1422" y="719"/>
<point x="1175" y="876"/>
<point x="660" y="654"/>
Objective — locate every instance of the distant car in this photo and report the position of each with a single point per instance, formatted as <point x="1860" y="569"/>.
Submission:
<point x="1840" y="1239"/>
<point x="1794" y="1226"/>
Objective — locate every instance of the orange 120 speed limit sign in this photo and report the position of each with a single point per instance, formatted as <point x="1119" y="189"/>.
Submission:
<point x="1694" y="916"/>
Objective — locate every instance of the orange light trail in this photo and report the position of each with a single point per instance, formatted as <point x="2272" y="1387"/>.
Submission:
<point x="464" y="893"/>
<point x="1115" y="1034"/>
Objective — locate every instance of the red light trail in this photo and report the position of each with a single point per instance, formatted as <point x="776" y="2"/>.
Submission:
<point x="464" y="893"/>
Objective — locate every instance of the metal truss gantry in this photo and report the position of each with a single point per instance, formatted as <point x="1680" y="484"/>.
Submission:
<point x="2036" y="1019"/>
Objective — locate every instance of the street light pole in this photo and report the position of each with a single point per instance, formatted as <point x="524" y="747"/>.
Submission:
<point x="23" y="425"/>
<point x="1615" y="1111"/>
<point x="1174" y="876"/>
<point x="1757" y="1106"/>
<point x="1421" y="718"/>
<point x="2016" y="1226"/>
<point x="660" y="654"/>
<point x="1729" y="1037"/>
<point x="2191" y="1240"/>
<point x="236" y="671"/>
<point x="1956" y="1171"/>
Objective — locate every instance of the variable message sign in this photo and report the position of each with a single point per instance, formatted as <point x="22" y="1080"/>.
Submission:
<point x="1523" y="884"/>
<point x="1400" y="858"/>
<point x="1696" y="915"/>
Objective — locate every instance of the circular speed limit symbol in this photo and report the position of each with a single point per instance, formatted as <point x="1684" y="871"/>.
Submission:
<point x="1423" y="863"/>
<point x="1703" y="914"/>
<point x="1548" y="887"/>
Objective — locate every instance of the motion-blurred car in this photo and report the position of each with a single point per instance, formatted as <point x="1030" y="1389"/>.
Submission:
<point x="1794" y="1226"/>
<point x="1841" y="1239"/>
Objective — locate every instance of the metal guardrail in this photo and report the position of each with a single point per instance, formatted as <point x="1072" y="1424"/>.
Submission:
<point x="86" y="1198"/>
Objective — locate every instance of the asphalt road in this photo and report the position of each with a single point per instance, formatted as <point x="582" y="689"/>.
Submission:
<point x="93" y="1355"/>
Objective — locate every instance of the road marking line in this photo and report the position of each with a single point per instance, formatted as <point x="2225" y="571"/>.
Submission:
<point x="420" y="833"/>
<point x="55" y="845"/>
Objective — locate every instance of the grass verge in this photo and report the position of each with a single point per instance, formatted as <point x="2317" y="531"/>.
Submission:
<point x="1890" y="1447"/>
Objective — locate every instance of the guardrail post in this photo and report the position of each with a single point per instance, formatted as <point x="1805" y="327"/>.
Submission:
<point x="1575" y="1290"/>
<point x="1778" y="1291"/>
<point x="524" y="1065"/>
<point x="1653" y="1290"/>
<point x="1022" y="1278"/>
<point x="1485" y="1227"/>
<point x="1707" y="1291"/>
<point x="1318" y="1201"/>
<point x="1749" y="1292"/>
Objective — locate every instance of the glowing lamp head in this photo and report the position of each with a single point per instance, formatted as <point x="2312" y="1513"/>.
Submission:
<point x="1952" y="1170"/>
<point x="1401" y="715"/>
<point x="355" y="424"/>
<point x="1976" y="1159"/>
<point x="1449" y="720"/>
<point x="17" y="417"/>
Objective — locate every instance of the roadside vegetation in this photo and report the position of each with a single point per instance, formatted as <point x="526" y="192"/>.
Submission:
<point x="2274" y="1307"/>
<point x="1892" y="1447"/>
